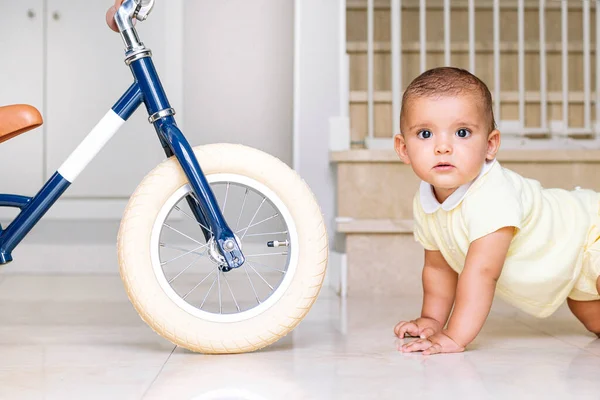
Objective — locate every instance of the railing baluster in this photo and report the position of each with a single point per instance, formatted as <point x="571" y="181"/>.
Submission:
<point x="597" y="67"/>
<point x="396" y="63"/>
<point x="521" y="61"/>
<point x="344" y="63"/>
<point x="497" y="59"/>
<point x="565" y="65"/>
<point x="472" y="36"/>
<point x="587" y="102"/>
<point x="543" y="68"/>
<point x="447" y="43"/>
<point x="370" y="67"/>
<point x="423" y="34"/>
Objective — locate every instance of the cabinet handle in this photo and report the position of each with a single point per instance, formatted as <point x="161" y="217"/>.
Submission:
<point x="56" y="15"/>
<point x="31" y="13"/>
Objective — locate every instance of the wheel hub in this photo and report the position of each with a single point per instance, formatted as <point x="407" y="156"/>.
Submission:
<point x="214" y="254"/>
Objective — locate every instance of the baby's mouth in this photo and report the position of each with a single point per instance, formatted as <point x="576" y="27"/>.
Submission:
<point x="443" y="166"/>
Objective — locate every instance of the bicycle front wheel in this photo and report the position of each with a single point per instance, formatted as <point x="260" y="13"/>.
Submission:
<point x="177" y="280"/>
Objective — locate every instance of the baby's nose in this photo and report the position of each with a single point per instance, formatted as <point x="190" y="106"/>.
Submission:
<point x="443" y="148"/>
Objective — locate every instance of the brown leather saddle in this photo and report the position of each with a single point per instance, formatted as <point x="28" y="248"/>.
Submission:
<point x="16" y="119"/>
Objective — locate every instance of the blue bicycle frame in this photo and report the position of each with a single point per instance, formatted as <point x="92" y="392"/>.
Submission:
<point x="146" y="89"/>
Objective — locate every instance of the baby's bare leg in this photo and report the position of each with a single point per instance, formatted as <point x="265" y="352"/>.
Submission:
<point x="588" y="312"/>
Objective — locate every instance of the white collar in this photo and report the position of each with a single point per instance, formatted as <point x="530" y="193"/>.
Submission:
<point x="430" y="204"/>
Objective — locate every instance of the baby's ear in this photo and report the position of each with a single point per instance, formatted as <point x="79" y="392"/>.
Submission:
<point x="400" y="147"/>
<point x="493" y="144"/>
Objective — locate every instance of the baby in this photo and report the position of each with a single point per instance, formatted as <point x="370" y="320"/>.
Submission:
<point x="484" y="228"/>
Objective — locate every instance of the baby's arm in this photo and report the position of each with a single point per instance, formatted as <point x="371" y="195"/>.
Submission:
<point x="439" y="289"/>
<point x="474" y="294"/>
<point x="477" y="284"/>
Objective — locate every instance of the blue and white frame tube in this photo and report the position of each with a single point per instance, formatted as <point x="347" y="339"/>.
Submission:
<point x="35" y="209"/>
<point x="57" y="184"/>
<point x="101" y="134"/>
<point x="91" y="146"/>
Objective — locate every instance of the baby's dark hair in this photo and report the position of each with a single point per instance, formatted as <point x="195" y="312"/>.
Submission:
<point x="449" y="81"/>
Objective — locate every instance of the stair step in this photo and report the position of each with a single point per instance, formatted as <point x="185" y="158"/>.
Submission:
<point x="351" y="225"/>
<point x="374" y="201"/>
<point x="375" y="190"/>
<point x="383" y="265"/>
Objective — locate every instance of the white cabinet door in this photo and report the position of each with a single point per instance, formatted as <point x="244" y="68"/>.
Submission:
<point x="86" y="75"/>
<point x="21" y="81"/>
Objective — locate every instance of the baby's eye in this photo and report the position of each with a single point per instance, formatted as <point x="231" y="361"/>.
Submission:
<point x="424" y="134"/>
<point x="463" y="133"/>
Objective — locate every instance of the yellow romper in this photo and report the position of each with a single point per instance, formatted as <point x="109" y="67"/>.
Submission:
<point x="555" y="252"/>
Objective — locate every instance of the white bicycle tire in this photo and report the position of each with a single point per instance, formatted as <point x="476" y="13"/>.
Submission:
<point x="172" y="321"/>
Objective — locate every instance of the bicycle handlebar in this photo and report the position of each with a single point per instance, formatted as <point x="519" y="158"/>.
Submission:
<point x="144" y="10"/>
<point x="128" y="10"/>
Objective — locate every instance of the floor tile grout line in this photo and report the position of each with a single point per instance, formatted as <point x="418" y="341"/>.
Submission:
<point x="159" y="372"/>
<point x="557" y="338"/>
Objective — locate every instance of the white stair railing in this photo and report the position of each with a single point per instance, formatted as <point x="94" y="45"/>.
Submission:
<point x="550" y="133"/>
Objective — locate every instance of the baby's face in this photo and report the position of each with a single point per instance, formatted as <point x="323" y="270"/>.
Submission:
<point x="446" y="140"/>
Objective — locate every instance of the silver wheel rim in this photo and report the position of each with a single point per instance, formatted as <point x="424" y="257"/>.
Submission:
<point x="251" y="269"/>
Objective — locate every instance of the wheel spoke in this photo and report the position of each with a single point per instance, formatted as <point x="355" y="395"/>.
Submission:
<point x="225" y="202"/>
<point x="186" y="268"/>
<point x="266" y="254"/>
<point x="260" y="276"/>
<point x="251" y="284"/>
<point x="267" y="234"/>
<point x="207" y="293"/>
<point x="200" y="283"/>
<point x="182" y="234"/>
<point x="179" y="248"/>
<point x="242" y="210"/>
<point x="219" y="289"/>
<point x="184" y="254"/>
<point x="267" y="266"/>
<point x="192" y="218"/>
<point x="230" y="291"/>
<point x="254" y="216"/>
<point x="258" y="223"/>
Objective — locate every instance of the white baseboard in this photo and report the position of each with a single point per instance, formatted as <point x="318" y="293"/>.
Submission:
<point x="337" y="273"/>
<point x="71" y="259"/>
<point x="101" y="259"/>
<point x="78" y="209"/>
<point x="89" y="247"/>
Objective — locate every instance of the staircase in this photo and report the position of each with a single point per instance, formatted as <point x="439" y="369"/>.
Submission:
<point x="375" y="190"/>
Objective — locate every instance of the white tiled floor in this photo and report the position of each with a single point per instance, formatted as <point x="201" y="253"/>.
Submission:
<point x="77" y="337"/>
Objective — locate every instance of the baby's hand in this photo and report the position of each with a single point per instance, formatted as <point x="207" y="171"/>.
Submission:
<point x="110" y="16"/>
<point x="421" y="327"/>
<point x="438" y="343"/>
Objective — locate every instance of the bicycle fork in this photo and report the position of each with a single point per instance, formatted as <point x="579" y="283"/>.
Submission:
<point x="204" y="205"/>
